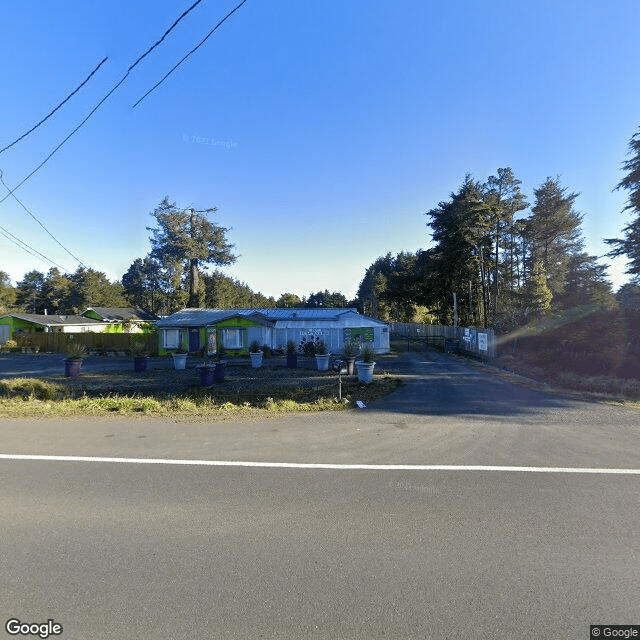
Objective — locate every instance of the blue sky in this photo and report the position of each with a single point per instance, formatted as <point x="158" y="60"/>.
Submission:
<point x="321" y="130"/>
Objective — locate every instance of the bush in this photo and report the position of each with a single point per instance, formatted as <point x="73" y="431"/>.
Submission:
<point x="309" y="348"/>
<point x="254" y="347"/>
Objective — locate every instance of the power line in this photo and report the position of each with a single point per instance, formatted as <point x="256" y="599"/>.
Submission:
<point x="28" y="248"/>
<point x="24" y="135"/>
<point x="40" y="223"/>
<point x="103" y="100"/>
<point x="188" y="54"/>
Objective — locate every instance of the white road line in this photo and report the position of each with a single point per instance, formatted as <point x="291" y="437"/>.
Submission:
<point x="314" y="465"/>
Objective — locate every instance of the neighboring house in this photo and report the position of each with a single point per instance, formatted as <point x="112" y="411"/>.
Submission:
<point x="121" y="319"/>
<point x="36" y="322"/>
<point x="235" y="329"/>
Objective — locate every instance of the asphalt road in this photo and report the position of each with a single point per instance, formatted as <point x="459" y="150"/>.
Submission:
<point x="123" y="550"/>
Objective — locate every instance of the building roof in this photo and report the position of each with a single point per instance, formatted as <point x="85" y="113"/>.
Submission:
<point x="120" y="314"/>
<point x="49" y="320"/>
<point x="205" y="317"/>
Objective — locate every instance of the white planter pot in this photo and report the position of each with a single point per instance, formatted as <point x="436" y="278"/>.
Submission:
<point x="322" y="360"/>
<point x="365" y="371"/>
<point x="256" y="359"/>
<point x="179" y="360"/>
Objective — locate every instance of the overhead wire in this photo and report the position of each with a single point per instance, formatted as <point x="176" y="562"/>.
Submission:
<point x="155" y="86"/>
<point x="24" y="135"/>
<point x="39" y="222"/>
<point x="126" y="75"/>
<point x="28" y="248"/>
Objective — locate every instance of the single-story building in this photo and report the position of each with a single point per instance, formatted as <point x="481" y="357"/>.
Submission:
<point x="235" y="329"/>
<point x="16" y="322"/>
<point x="121" y="319"/>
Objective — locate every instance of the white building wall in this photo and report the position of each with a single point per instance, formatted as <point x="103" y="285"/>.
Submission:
<point x="332" y="332"/>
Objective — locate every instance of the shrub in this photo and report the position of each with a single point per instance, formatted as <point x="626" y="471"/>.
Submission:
<point x="309" y="349"/>
<point x="254" y="347"/>
<point x="368" y="354"/>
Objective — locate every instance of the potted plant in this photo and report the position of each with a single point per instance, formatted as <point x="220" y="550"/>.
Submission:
<point x="292" y="356"/>
<point x="206" y="370"/>
<point x="74" y="360"/>
<point x="322" y="356"/>
<point x="140" y="356"/>
<point x="366" y="365"/>
<point x="255" y="354"/>
<point x="349" y="350"/>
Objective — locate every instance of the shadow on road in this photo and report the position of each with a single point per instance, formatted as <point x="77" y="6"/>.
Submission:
<point x="440" y="384"/>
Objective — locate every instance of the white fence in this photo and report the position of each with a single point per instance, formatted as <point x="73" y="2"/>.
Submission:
<point x="479" y="342"/>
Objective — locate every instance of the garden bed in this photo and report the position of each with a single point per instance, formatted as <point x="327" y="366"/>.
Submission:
<point x="164" y="391"/>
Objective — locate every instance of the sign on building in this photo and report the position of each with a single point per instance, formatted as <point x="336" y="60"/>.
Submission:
<point x="359" y="334"/>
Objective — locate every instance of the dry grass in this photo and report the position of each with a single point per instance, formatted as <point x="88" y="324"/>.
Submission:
<point x="165" y="392"/>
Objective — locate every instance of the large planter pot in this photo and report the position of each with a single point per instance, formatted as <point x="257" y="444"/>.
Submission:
<point x="350" y="360"/>
<point x="140" y="364"/>
<point x="322" y="360"/>
<point x="179" y="360"/>
<point x="365" y="371"/>
<point x="207" y="374"/>
<point x="218" y="372"/>
<point x="72" y="367"/>
<point x="292" y="360"/>
<point x="256" y="359"/>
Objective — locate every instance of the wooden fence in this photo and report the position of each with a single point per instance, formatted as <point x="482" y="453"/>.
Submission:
<point x="478" y="342"/>
<point x="99" y="343"/>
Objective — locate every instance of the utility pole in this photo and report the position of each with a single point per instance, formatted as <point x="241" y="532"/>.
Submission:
<point x="455" y="310"/>
<point x="193" y="266"/>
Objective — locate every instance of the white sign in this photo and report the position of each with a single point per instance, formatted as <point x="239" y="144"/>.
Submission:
<point x="482" y="341"/>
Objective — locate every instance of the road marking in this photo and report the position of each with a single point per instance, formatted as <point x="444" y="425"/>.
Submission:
<point x="320" y="465"/>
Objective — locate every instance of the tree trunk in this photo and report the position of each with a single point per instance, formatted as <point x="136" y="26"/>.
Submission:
<point x="194" y="301"/>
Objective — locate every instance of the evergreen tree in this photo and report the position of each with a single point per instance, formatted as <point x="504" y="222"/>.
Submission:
<point x="629" y="246"/>
<point x="56" y="292"/>
<point x="536" y="294"/>
<point x="144" y="285"/>
<point x="324" y="299"/>
<point x="503" y="195"/>
<point x="8" y="293"/>
<point x="187" y="239"/>
<point x="553" y="232"/>
<point x="458" y="263"/>
<point x="288" y="301"/>
<point x="91" y="288"/>
<point x="29" y="292"/>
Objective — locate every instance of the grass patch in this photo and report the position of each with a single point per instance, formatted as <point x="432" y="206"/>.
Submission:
<point x="99" y="395"/>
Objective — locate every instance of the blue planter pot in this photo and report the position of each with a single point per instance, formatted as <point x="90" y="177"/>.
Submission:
<point x="140" y="364"/>
<point x="207" y="374"/>
<point x="292" y="360"/>
<point x="72" y="367"/>
<point x="218" y="372"/>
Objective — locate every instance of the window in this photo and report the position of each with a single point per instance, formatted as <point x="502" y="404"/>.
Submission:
<point x="171" y="339"/>
<point x="232" y="338"/>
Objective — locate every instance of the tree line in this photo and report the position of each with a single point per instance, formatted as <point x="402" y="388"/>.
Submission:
<point x="184" y="243"/>
<point x="492" y="265"/>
